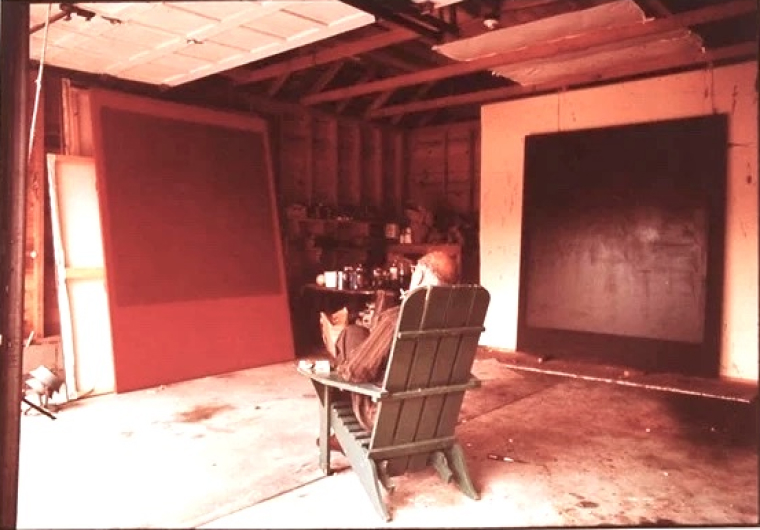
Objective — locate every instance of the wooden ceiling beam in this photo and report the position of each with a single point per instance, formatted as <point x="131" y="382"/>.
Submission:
<point x="270" y="108"/>
<point x="324" y="56"/>
<point x="545" y="50"/>
<point x="659" y="8"/>
<point x="421" y="93"/>
<point x="379" y="101"/>
<point x="393" y="61"/>
<point x="427" y="118"/>
<point x="738" y="51"/>
<point x="327" y="76"/>
<point x="277" y="84"/>
<point x="368" y="74"/>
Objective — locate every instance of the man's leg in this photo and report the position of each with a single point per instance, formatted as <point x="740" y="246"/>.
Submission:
<point x="346" y="343"/>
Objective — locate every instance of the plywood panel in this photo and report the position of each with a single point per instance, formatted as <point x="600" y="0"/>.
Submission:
<point x="372" y="167"/>
<point x="442" y="173"/>
<point x="349" y="182"/>
<point x="295" y="156"/>
<point x="394" y="192"/>
<point x="192" y="241"/>
<point x="325" y="157"/>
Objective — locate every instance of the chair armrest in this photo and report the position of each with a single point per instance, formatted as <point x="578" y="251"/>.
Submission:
<point x="332" y="379"/>
<point x="473" y="382"/>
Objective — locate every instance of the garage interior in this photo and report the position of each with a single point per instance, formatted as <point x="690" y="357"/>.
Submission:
<point x="198" y="165"/>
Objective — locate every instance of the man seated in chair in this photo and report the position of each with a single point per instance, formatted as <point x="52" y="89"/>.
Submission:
<point x="362" y="353"/>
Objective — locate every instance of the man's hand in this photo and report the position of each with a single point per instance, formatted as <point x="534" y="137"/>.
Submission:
<point x="331" y="326"/>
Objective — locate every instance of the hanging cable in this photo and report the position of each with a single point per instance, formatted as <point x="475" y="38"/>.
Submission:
<point x="39" y="81"/>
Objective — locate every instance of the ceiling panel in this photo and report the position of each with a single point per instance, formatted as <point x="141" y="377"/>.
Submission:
<point x="245" y="39"/>
<point x="170" y="43"/>
<point x="119" y="50"/>
<point x="227" y="9"/>
<point x="145" y="36"/>
<point x="285" y="24"/>
<point x="174" y="19"/>
<point x="324" y="12"/>
<point x="210" y="51"/>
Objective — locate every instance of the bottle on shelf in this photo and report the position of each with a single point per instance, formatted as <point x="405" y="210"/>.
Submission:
<point x="393" y="279"/>
<point x="406" y="236"/>
<point x="361" y="277"/>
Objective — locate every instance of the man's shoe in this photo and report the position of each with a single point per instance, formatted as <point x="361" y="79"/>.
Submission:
<point x="333" y="444"/>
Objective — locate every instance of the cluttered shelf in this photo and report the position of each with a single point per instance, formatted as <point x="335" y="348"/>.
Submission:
<point x="366" y="250"/>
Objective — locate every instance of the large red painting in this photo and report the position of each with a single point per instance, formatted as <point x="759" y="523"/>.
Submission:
<point x="191" y="237"/>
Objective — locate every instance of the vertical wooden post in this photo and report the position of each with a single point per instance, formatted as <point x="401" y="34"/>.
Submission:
<point x="474" y="176"/>
<point x="34" y="270"/>
<point x="398" y="172"/>
<point x="372" y="167"/>
<point x="446" y="134"/>
<point x="309" y="154"/>
<point x="349" y="145"/>
<point x="14" y="139"/>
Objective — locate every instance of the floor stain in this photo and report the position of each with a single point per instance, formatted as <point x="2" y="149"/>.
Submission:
<point x="658" y="522"/>
<point x="588" y="504"/>
<point x="201" y="413"/>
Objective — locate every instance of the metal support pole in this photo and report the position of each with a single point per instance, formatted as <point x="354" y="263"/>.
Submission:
<point x="14" y="139"/>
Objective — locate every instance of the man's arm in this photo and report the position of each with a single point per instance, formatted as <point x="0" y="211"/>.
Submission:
<point x="366" y="362"/>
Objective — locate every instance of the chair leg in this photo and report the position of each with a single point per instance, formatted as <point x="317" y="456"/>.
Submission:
<point x="325" y="400"/>
<point x="441" y="464"/>
<point x="368" y="476"/>
<point x="455" y="457"/>
<point x="385" y="478"/>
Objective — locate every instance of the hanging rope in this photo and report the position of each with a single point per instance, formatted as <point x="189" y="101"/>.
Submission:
<point x="39" y="81"/>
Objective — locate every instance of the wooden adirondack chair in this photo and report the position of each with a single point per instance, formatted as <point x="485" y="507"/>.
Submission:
<point x="427" y="375"/>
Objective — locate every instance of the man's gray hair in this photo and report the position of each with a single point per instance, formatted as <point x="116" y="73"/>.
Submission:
<point x="442" y="266"/>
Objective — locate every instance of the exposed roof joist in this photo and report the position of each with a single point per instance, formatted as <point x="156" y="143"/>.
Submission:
<point x="543" y="50"/>
<point x="327" y="76"/>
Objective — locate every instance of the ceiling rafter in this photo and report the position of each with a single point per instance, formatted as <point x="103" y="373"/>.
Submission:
<point x="738" y="51"/>
<point x="379" y="101"/>
<point x="277" y="83"/>
<point x="368" y="75"/>
<point x="326" y="76"/>
<point x="324" y="56"/>
<point x="386" y="58"/>
<point x="421" y="92"/>
<point x="659" y="8"/>
<point x="545" y="49"/>
<point x="425" y="119"/>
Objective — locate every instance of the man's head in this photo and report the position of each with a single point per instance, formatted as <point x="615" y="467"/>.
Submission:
<point x="434" y="268"/>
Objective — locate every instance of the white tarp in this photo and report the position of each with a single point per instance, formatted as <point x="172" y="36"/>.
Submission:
<point x="593" y="60"/>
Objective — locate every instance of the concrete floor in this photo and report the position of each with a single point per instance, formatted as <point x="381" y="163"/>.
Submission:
<point x="237" y="451"/>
